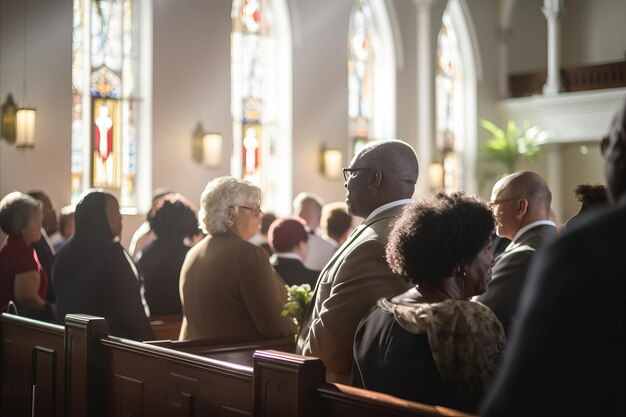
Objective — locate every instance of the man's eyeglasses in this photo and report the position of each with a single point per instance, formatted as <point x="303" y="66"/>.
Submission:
<point x="349" y="172"/>
<point x="494" y="203"/>
<point x="254" y="210"/>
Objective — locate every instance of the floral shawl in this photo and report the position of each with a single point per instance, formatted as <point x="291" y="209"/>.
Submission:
<point x="465" y="337"/>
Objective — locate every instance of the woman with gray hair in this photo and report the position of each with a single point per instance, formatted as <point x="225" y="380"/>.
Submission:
<point x="22" y="278"/>
<point x="228" y="289"/>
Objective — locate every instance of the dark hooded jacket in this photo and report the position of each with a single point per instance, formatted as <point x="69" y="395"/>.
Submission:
<point x="92" y="274"/>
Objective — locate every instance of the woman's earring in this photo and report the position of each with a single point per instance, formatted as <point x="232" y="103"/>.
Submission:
<point x="229" y="223"/>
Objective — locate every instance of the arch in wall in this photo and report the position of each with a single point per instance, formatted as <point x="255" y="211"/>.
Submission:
<point x="261" y="98"/>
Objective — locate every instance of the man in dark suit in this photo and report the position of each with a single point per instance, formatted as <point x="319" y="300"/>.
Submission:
<point x="566" y="352"/>
<point x="521" y="203"/>
<point x="380" y="181"/>
<point x="287" y="238"/>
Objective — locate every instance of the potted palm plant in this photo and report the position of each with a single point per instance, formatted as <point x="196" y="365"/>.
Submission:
<point x="508" y="145"/>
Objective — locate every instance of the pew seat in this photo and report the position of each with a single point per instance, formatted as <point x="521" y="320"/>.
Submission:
<point x="166" y="327"/>
<point x="227" y="350"/>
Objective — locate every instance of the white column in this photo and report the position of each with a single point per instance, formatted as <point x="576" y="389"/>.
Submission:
<point x="554" y="179"/>
<point x="504" y="37"/>
<point x="425" y="101"/>
<point x="551" y="10"/>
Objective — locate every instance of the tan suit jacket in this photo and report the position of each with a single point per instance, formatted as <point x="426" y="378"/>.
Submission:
<point x="229" y="290"/>
<point x="350" y="284"/>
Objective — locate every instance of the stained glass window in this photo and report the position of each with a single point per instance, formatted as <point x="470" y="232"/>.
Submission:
<point x="360" y="73"/>
<point x="105" y="107"/>
<point x="262" y="144"/>
<point x="371" y="74"/>
<point x="450" y="106"/>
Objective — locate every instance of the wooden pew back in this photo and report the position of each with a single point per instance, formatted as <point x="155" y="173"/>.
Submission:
<point x="143" y="379"/>
<point x="32" y="368"/>
<point x="294" y="385"/>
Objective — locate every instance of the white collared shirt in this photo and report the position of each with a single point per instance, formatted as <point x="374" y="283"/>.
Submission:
<point x="288" y="255"/>
<point x="388" y="206"/>
<point x="531" y="225"/>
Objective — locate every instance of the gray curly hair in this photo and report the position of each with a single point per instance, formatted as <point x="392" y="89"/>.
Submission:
<point x="16" y="210"/>
<point x="219" y="196"/>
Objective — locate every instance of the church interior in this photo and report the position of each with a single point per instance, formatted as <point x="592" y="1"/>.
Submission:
<point x="148" y="98"/>
<point x="322" y="76"/>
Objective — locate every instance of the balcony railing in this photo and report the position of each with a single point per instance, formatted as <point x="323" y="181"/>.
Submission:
<point x="582" y="78"/>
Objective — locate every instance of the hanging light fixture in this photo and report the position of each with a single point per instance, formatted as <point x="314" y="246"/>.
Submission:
<point x="25" y="128"/>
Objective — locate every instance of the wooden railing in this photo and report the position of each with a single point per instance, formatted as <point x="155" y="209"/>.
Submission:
<point x="581" y="78"/>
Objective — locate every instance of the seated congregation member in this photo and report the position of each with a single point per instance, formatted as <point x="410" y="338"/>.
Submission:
<point x="566" y="353"/>
<point x="144" y="234"/>
<point x="521" y="205"/>
<point x="379" y="182"/>
<point x="308" y="207"/>
<point x="431" y="344"/>
<point x="160" y="260"/>
<point x="260" y="238"/>
<point x="336" y="222"/>
<point x="44" y="247"/>
<point x="591" y="197"/>
<point x="66" y="227"/>
<point x="94" y="275"/>
<point x="228" y="288"/>
<point x="22" y="278"/>
<point x="288" y="239"/>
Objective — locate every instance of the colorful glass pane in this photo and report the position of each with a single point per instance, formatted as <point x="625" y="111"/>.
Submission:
<point x="105" y="123"/>
<point x="250" y="90"/>
<point x="360" y="71"/>
<point x="450" y="106"/>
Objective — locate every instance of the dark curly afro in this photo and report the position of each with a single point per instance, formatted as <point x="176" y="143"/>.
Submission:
<point x="437" y="234"/>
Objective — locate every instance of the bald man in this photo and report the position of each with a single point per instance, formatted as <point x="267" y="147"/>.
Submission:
<point x="521" y="204"/>
<point x="380" y="182"/>
<point x="566" y="353"/>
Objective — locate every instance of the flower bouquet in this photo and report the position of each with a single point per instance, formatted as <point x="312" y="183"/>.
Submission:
<point x="298" y="298"/>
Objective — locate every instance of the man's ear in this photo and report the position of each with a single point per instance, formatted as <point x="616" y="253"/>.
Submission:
<point x="376" y="178"/>
<point x="521" y="208"/>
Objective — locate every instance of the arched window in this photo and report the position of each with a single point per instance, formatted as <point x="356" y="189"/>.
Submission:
<point x="371" y="74"/>
<point x="455" y="84"/>
<point x="109" y="108"/>
<point x="261" y="98"/>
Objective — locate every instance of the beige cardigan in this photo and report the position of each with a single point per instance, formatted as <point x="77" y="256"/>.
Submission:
<point x="229" y="290"/>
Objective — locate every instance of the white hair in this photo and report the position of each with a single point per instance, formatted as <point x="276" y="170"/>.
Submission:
<point x="219" y="196"/>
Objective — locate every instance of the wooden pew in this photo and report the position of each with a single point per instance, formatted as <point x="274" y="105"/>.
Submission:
<point x="166" y="327"/>
<point x="143" y="379"/>
<point x="102" y="375"/>
<point x="32" y="368"/>
<point x="293" y="385"/>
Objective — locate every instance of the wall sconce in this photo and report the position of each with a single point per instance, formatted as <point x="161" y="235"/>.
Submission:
<point x="435" y="176"/>
<point x="207" y="148"/>
<point x="331" y="162"/>
<point x="18" y="124"/>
